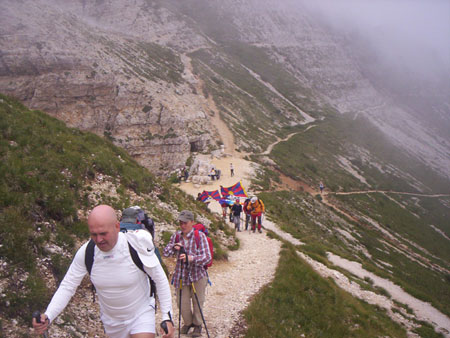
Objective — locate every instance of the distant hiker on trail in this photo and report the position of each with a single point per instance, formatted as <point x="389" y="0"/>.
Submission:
<point x="212" y="173"/>
<point x="256" y="209"/>
<point x="190" y="269"/>
<point x="236" y="210"/>
<point x="321" y="186"/>
<point x="247" y="212"/>
<point x="224" y="206"/>
<point x="231" y="169"/>
<point x="185" y="173"/>
<point x="123" y="290"/>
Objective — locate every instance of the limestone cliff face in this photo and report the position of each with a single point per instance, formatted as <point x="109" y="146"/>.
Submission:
<point x="84" y="65"/>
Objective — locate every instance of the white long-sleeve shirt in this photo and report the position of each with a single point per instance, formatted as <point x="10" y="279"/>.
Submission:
<point x="123" y="290"/>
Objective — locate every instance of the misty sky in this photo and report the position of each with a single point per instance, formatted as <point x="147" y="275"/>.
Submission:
<point x="414" y="33"/>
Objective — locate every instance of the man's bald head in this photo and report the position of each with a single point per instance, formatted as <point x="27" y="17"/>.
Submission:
<point x="102" y="213"/>
<point x="104" y="227"/>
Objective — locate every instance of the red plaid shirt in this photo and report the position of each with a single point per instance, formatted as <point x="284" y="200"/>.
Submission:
<point x="201" y="256"/>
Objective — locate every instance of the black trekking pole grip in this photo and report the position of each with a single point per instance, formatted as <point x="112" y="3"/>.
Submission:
<point x="183" y="251"/>
<point x="164" y="324"/>
<point x="37" y="316"/>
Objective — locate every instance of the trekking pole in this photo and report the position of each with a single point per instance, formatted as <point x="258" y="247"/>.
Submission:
<point x="198" y="303"/>
<point x="164" y="324"/>
<point x="37" y="316"/>
<point x="199" y="307"/>
<point x="181" y="291"/>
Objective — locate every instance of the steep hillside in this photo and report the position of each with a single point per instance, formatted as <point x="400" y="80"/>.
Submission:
<point x="51" y="177"/>
<point x="168" y="66"/>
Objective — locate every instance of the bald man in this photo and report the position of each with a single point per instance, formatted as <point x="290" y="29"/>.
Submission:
<point x="123" y="290"/>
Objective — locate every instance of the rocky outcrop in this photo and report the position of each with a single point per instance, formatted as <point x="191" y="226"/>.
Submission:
<point x="80" y="67"/>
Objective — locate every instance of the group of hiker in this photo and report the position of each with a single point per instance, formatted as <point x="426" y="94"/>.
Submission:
<point x="125" y="270"/>
<point x="253" y="209"/>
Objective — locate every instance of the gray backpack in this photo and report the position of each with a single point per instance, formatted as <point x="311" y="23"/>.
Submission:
<point x="134" y="218"/>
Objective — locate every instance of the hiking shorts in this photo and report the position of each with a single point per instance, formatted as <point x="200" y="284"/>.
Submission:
<point x="143" y="323"/>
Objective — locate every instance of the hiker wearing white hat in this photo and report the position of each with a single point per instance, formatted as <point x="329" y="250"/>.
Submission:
<point x="256" y="209"/>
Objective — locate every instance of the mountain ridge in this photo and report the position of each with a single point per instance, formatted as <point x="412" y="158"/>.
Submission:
<point x="312" y="56"/>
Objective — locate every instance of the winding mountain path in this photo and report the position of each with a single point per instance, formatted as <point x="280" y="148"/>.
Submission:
<point x="270" y="147"/>
<point x="385" y="192"/>
<point x="209" y="106"/>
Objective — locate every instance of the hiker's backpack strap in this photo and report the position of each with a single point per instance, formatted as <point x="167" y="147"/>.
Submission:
<point x="197" y="238"/>
<point x="89" y="256"/>
<point x="135" y="258"/>
<point x="89" y="262"/>
<point x="137" y="261"/>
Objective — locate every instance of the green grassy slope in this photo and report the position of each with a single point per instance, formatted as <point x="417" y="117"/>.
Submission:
<point x="299" y="303"/>
<point x="48" y="173"/>
<point x="321" y="228"/>
<point x="414" y="231"/>
<point x="46" y="168"/>
<point x="251" y="109"/>
<point x="314" y="155"/>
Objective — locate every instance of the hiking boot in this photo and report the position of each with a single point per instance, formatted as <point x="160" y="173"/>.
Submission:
<point x="260" y="231"/>
<point x="185" y="328"/>
<point x="197" y="331"/>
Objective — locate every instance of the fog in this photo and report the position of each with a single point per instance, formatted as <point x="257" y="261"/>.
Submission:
<point x="408" y="34"/>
